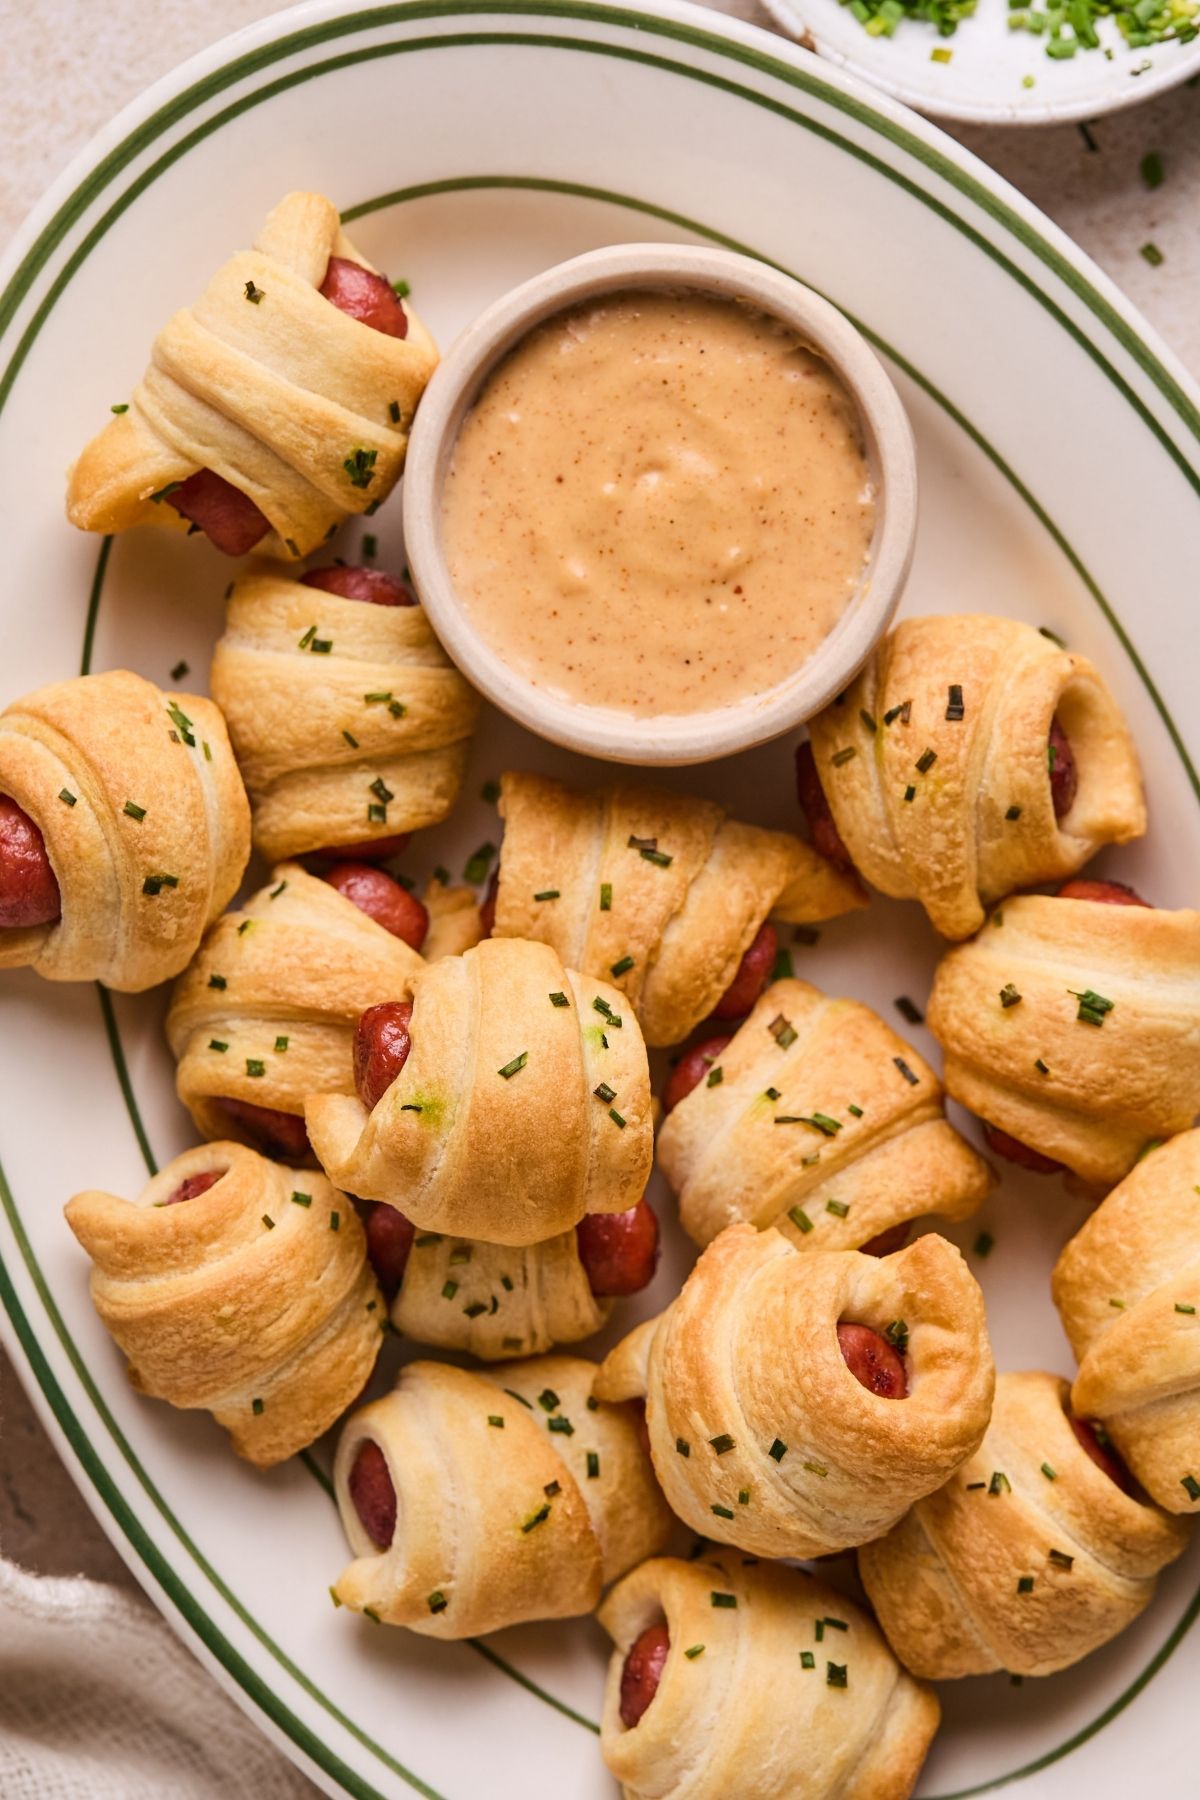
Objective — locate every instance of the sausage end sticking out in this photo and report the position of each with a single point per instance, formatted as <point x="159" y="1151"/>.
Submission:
<point x="278" y="1134"/>
<point x="192" y="1186"/>
<point x="1064" y="776"/>
<point x="822" y="830"/>
<point x="872" y="1361"/>
<point x="381" y="1047"/>
<point x="28" y="888"/>
<point x="642" y="1673"/>
<point x="1014" y="1151"/>
<point x="227" y="517"/>
<point x="692" y="1069"/>
<point x="364" y="295"/>
<point x="1101" y="893"/>
<point x="375" y="893"/>
<point x="354" y="582"/>
<point x="389" y="1240"/>
<point x="753" y="973"/>
<point x="619" y="1251"/>
<point x="894" y="1238"/>
<point x="1101" y="1452"/>
<point x="372" y="1494"/>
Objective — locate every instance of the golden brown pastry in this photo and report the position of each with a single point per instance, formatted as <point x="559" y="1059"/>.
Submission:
<point x="274" y="407"/>
<point x="349" y="721"/>
<point x="754" y="1681"/>
<point x="240" y="1288"/>
<point x="662" y="894"/>
<point x="266" y="1013"/>
<point x="1029" y="1558"/>
<point x="521" y="1102"/>
<point x="970" y="757"/>
<point x="124" y="830"/>
<point x="1128" y="1289"/>
<point x="475" y="1500"/>
<point x="800" y="1404"/>
<point x="817" y="1119"/>
<point x="1073" y="1027"/>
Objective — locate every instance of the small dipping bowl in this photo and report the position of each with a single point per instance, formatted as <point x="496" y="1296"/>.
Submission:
<point x="668" y="738"/>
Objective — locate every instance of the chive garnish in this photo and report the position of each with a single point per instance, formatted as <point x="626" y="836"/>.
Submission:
<point x="925" y="761"/>
<point x="299" y="1199"/>
<point x="1150" y="251"/>
<point x="1009" y="996"/>
<point x="537" y="1518"/>
<point x="839" y="1208"/>
<point x="559" y="999"/>
<point x="1180" y="1308"/>
<point x="1093" y="1007"/>
<point x="276" y="891"/>
<point x="903" y="712"/>
<point x="67" y="797"/>
<point x="844" y="755"/>
<point x="606" y="896"/>
<point x="683" y="1448"/>
<point x="722" y="1443"/>
<point x="394" y="411"/>
<point x="772" y="1093"/>
<point x="1190" y="1486"/>
<point x="782" y="1031"/>
<point x="984" y="1244"/>
<point x="255" y="1066"/>
<point x="350" y="739"/>
<point x="164" y="491"/>
<point x="816" y="1468"/>
<point x="1045" y="631"/>
<point x="515" y="1066"/>
<point x="497" y="1420"/>
<point x="1041" y="1067"/>
<point x="694" y="1651"/>
<point x="547" y="894"/>
<point x="217" y="981"/>
<point x="823" y="1123"/>
<point x="593" y="1464"/>
<point x="800" y="1218"/>
<point x="268" y="1221"/>
<point x="659" y="857"/>
<point x="783" y="970"/>
<point x="910" y="793"/>
<point x="1060" y="1559"/>
<point x="122" y="406"/>
<point x="304" y="642"/>
<point x="616" y="1118"/>
<point x="807" y="1660"/>
<point x="999" y="1484"/>
<point x="253" y="294"/>
<point x="513" y="1395"/>
<point x="835" y="1675"/>
<point x="360" y="467"/>
<point x="437" y="1601"/>
<point x="369" y="545"/>
<point x="778" y="1450"/>
<point x="622" y="967"/>
<point x="257" y="1407"/>
<point x="216" y="1044"/>
<point x="954" y="704"/>
<point x="335" y="1221"/>
<point x="154" y="884"/>
<point x="281" y="1044"/>
<point x="728" y="1601"/>
<point x="1049" y="1472"/>
<point x="478" y="865"/>
<point x="476" y="1307"/>
<point x="855" y="1111"/>
<point x="1025" y="1584"/>
<point x="506" y="1282"/>
<point x="460" y="1254"/>
<point x="715" y="1077"/>
<point x="913" y="1080"/>
<point x="1013" y="813"/>
<point x="449" y="1289"/>
<point x="743" y="1496"/>
<point x="897" y="1335"/>
<point x="908" y="1010"/>
<point x="723" y="1512"/>
<point x="868" y="720"/>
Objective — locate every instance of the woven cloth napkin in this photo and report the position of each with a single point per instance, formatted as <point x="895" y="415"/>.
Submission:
<point x="100" y="1701"/>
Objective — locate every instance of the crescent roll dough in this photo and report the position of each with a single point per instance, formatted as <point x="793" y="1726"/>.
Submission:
<point x="819" y="1120"/>
<point x="1089" y="1085"/>
<point x="1128" y="1289"/>
<point x="145" y="823"/>
<point x="266" y="1012"/>
<point x="1029" y="1558"/>
<point x="661" y="893"/>
<point x="514" y="1115"/>
<point x="957" y="811"/>
<point x="517" y="1497"/>
<point x="365" y="740"/>
<point x="761" y="1436"/>
<point x="786" y="1691"/>
<point x="496" y="1300"/>
<point x="253" y="1301"/>
<point x="302" y="408"/>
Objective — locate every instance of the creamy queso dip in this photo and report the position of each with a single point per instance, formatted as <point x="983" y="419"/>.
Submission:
<point x="658" y="503"/>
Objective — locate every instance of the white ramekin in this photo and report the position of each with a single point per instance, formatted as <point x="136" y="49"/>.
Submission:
<point x="669" y="738"/>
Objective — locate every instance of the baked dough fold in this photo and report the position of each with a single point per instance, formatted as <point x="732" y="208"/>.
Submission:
<point x="1128" y="1289"/>
<point x="976" y="820"/>
<point x="266" y="1013"/>
<point x="253" y="1301"/>
<point x="302" y="408"/>
<point x="762" y="1699"/>
<point x="667" y="886"/>
<point x="321" y="739"/>
<point x="1009" y="1566"/>
<point x="496" y="1300"/>
<point x="760" y="1434"/>
<point x="514" y="1114"/>
<point x="1088" y="1085"/>
<point x="145" y="822"/>
<point x="863" y="1145"/>
<point x="515" y="1499"/>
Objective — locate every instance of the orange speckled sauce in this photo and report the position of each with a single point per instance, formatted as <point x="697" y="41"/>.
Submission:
<point x="658" y="503"/>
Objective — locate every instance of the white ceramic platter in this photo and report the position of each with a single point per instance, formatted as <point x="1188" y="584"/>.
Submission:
<point x="984" y="81"/>
<point x="472" y="143"/>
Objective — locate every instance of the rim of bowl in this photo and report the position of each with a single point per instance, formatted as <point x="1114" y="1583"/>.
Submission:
<point x="668" y="738"/>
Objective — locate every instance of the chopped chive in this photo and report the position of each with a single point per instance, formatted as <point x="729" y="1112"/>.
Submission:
<point x="547" y="894"/>
<point x="984" y="1244"/>
<point x="257" y="1407"/>
<point x="460" y="1254"/>
<point x="1049" y="1472"/>
<point x="370" y="546"/>
<point x="561" y="1424"/>
<point x="164" y="491"/>
<point x="255" y="1066"/>
<point x="659" y="857"/>
<point x="217" y="981"/>
<point x="772" y="1093"/>
<point x="244" y="927"/>
<point x="1093" y="1007"/>
<point x="1180" y="1308"/>
<point x="299" y="1199"/>
<point x="1025" y="1584"/>
<point x="622" y="967"/>
<point x="868" y="720"/>
<point x="1060" y="1559"/>
<point x="835" y="1675"/>
<point x="783" y="970"/>
<point x="782" y="1031"/>
<point x="913" y="1080"/>
<point x="903" y="712"/>
<point x="778" y="1450"/>
<point x="437" y="1601"/>
<point x="694" y="1651"/>
<point x="449" y="1289"/>
<point x="253" y="294"/>
<point x="276" y="891"/>
<point x="394" y="411"/>
<point x="1041" y="1067"/>
<point x="999" y="1484"/>
<point x="855" y="1111"/>
<point x="806" y="934"/>
<point x="1150" y="251"/>
<point x="281" y="1044"/>
<point x="559" y="999"/>
<point x="722" y="1443"/>
<point x="728" y="1601"/>
<point x="122" y="406"/>
<point x="844" y="755"/>
<point x="506" y="1282"/>
<point x="67" y="797"/>
<point x="800" y="1218"/>
<point x="606" y="896"/>
<point x="925" y="761"/>
<point x="496" y="1420"/>
<point x="910" y="793"/>
<point x="350" y="739"/>
<point x="723" y="1512"/>
<point x="807" y="1660"/>
<point x="715" y="1077"/>
<point x="476" y="1307"/>
<point x="907" y="1010"/>
<point x="743" y="1496"/>
<point x="1118" y="1305"/>
<point x="1013" y="813"/>
<point x="513" y="1395"/>
<point x="515" y="1066"/>
<point x="1009" y="996"/>
<point x="133" y="811"/>
<point x="954" y="705"/>
<point x="335" y="1221"/>
<point x="683" y="1448"/>
<point x="840" y="1208"/>
<point x="477" y="866"/>
<point x="604" y="1092"/>
<point x="268" y="1221"/>
<point x="360" y="467"/>
<point x="897" y="1335"/>
<point x="593" y="1464"/>
<point x="216" y="1044"/>
<point x="1190" y="1486"/>
<point x="816" y="1468"/>
<point x="1152" y="169"/>
<point x="616" y="1118"/>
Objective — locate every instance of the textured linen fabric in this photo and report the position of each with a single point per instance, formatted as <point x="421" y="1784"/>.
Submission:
<point x="99" y="1700"/>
